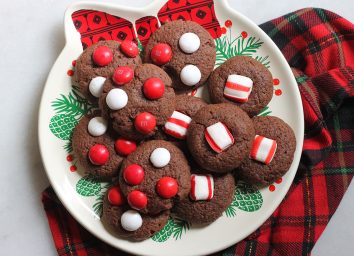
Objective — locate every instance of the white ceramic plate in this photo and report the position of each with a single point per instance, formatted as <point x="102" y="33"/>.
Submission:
<point x="61" y="108"/>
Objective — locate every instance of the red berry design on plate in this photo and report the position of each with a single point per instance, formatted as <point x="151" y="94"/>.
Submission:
<point x="278" y="181"/>
<point x="161" y="54"/>
<point x="115" y="196"/>
<point x="228" y="23"/>
<point x="223" y="30"/>
<point x="129" y="48"/>
<point x="73" y="168"/>
<point x="167" y="187"/>
<point x="137" y="200"/>
<point x="145" y="123"/>
<point x="133" y="174"/>
<point x="70" y="72"/>
<point x="73" y="63"/>
<point x="244" y="34"/>
<point x="102" y="56"/>
<point x="123" y="75"/>
<point x="154" y="88"/>
<point x="69" y="158"/>
<point x="271" y="188"/>
<point x="124" y="147"/>
<point x="276" y="81"/>
<point x="278" y="92"/>
<point x="98" y="154"/>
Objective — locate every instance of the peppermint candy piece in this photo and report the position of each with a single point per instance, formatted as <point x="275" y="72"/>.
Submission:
<point x="177" y="125"/>
<point x="190" y="75"/>
<point x="97" y="126"/>
<point x="96" y="86"/>
<point x="263" y="149"/>
<point x="160" y="157"/>
<point x="131" y="220"/>
<point x="117" y="99"/>
<point x="189" y="42"/>
<point x="202" y="187"/>
<point x="238" y="88"/>
<point x="218" y="137"/>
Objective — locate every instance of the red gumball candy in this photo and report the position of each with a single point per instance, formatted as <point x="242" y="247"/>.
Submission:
<point x="129" y="48"/>
<point x="161" y="54"/>
<point x="167" y="187"/>
<point x="154" y="88"/>
<point x="124" y="147"/>
<point x="102" y="56"/>
<point x="145" y="123"/>
<point x="115" y="196"/>
<point x="123" y="75"/>
<point x="137" y="200"/>
<point x="98" y="154"/>
<point x="133" y="174"/>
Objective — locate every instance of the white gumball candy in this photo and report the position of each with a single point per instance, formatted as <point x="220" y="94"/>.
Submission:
<point x="96" y="86"/>
<point x="131" y="220"/>
<point x="190" y="75"/>
<point x="160" y="157"/>
<point x="189" y="42"/>
<point x="97" y="126"/>
<point x="117" y="99"/>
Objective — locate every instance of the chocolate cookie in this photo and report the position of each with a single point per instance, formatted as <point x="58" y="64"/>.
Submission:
<point x="242" y="81"/>
<point x="154" y="176"/>
<point x="139" y="107"/>
<point x="272" y="151"/>
<point x="206" y="203"/>
<point x="98" y="62"/>
<point x="127" y="223"/>
<point x="185" y="50"/>
<point x="220" y="136"/>
<point x="93" y="145"/>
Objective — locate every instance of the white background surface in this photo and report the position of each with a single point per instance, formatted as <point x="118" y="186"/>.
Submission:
<point x="31" y="39"/>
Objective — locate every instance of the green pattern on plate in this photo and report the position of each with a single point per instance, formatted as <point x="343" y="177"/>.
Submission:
<point x="88" y="186"/>
<point x="175" y="227"/>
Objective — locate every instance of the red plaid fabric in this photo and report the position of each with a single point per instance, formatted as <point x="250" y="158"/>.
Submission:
<point x="319" y="46"/>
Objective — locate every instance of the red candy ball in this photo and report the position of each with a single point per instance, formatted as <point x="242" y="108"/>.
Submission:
<point x="124" y="147"/>
<point x="145" y="122"/>
<point x="133" y="174"/>
<point x="129" y="48"/>
<point x="115" y="196"/>
<point x="161" y="54"/>
<point x="102" y="56"/>
<point x="167" y="187"/>
<point x="123" y="75"/>
<point x="98" y="154"/>
<point x="137" y="200"/>
<point x="154" y="88"/>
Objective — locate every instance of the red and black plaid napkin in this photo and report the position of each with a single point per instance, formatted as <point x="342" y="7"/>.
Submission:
<point x="319" y="46"/>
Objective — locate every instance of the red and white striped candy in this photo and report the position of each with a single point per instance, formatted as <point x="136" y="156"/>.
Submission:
<point x="263" y="149"/>
<point x="202" y="187"/>
<point x="238" y="88"/>
<point x="177" y="125"/>
<point x="218" y="137"/>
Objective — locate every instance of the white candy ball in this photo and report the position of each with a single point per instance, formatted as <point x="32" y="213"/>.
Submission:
<point x="116" y="99"/>
<point x="96" y="86"/>
<point x="190" y="75"/>
<point x="189" y="42"/>
<point x="97" y="126"/>
<point x="131" y="220"/>
<point x="160" y="157"/>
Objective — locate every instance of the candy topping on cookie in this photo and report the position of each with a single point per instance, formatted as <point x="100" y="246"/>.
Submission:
<point x="263" y="149"/>
<point x="117" y="99"/>
<point x="177" y="125"/>
<point x="115" y="196"/>
<point x="133" y="174"/>
<point x="190" y="75"/>
<point x="238" y="88"/>
<point x="137" y="200"/>
<point x="189" y="42"/>
<point x="160" y="157"/>
<point x="98" y="154"/>
<point x="97" y="126"/>
<point x="123" y="75"/>
<point x="124" y="147"/>
<point x="202" y="187"/>
<point x="218" y="137"/>
<point x="131" y="220"/>
<point x="153" y="88"/>
<point x="145" y="122"/>
<point x="167" y="187"/>
<point x="102" y="56"/>
<point x="129" y="48"/>
<point x="161" y="54"/>
<point x="96" y="86"/>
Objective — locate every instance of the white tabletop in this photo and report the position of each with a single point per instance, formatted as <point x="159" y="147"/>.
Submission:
<point x="31" y="39"/>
